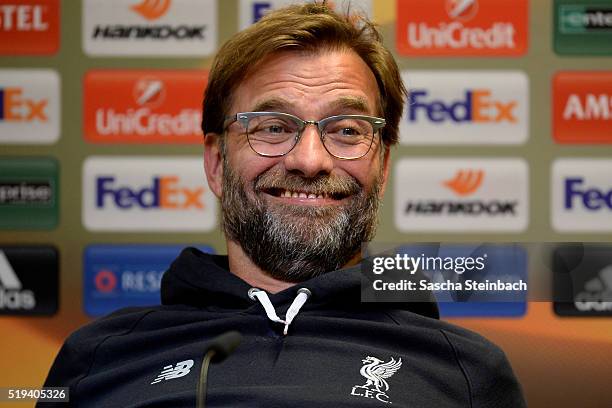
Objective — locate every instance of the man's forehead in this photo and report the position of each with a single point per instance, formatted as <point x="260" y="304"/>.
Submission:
<point x="282" y="78"/>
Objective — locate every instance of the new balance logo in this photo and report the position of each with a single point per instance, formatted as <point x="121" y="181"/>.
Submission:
<point x="181" y="369"/>
<point x="11" y="295"/>
<point x="465" y="182"/>
<point x="152" y="9"/>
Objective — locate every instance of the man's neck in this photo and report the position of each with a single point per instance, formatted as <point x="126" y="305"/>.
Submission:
<point x="242" y="266"/>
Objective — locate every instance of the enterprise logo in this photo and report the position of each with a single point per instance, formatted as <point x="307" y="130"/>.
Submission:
<point x="583" y="27"/>
<point x="147" y="194"/>
<point x="465" y="107"/>
<point x="144" y="106"/>
<point x="150" y="27"/>
<point x="462" y="195"/>
<point x="462" y="27"/>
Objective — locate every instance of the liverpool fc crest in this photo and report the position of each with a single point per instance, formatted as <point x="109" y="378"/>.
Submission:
<point x="376" y="372"/>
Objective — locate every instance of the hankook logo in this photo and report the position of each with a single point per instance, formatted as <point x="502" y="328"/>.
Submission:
<point x="150" y="27"/>
<point x="462" y="195"/>
<point x="152" y="9"/>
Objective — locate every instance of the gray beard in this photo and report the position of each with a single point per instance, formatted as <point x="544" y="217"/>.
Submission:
<point x="293" y="243"/>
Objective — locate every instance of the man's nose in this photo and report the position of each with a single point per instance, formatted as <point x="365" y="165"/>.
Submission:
<point x="309" y="157"/>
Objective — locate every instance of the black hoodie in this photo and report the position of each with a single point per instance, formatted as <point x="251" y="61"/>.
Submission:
<point x="338" y="352"/>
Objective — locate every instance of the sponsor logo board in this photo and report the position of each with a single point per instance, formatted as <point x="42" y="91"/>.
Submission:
<point x="583" y="27"/>
<point x="251" y="11"/>
<point x="582" y="280"/>
<point x="29" y="106"/>
<point x="582" y="107"/>
<point x="29" y="280"/>
<point x="117" y="276"/>
<point x="461" y="195"/>
<point x="29" y="193"/>
<point x="147" y="194"/>
<point x="465" y="107"/>
<point x="149" y="27"/>
<point x="462" y="27"/>
<point x="582" y="195"/>
<point x="128" y="106"/>
<point x="29" y="27"/>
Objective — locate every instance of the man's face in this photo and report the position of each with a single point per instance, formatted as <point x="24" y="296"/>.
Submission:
<point x="307" y="212"/>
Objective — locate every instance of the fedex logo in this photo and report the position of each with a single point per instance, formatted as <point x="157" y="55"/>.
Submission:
<point x="465" y="107"/>
<point x="163" y="192"/>
<point x="138" y="196"/>
<point x="476" y="105"/>
<point x="29" y="106"/>
<point x="582" y="107"/>
<point x="592" y="198"/>
<point x="15" y="107"/>
<point x="251" y="11"/>
<point x="582" y="195"/>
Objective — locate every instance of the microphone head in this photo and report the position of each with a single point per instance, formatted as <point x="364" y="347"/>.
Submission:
<point x="224" y="344"/>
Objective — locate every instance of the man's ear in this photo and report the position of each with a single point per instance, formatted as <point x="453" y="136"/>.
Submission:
<point x="213" y="162"/>
<point x="385" y="171"/>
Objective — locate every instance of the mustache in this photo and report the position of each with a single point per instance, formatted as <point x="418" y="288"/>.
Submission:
<point x="329" y="184"/>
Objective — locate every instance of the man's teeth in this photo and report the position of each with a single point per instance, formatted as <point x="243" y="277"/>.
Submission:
<point x="295" y="194"/>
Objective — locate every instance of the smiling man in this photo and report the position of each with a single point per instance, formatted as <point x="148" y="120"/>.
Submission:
<point x="300" y="112"/>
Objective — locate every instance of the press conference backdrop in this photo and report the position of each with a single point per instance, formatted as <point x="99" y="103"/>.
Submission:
<point x="506" y="139"/>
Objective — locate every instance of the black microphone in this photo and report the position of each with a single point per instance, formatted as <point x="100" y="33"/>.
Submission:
<point x="220" y="347"/>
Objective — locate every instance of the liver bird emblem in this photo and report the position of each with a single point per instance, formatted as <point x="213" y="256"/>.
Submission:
<point x="377" y="371"/>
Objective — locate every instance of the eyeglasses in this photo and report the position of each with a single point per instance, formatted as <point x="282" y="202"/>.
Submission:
<point x="274" y="134"/>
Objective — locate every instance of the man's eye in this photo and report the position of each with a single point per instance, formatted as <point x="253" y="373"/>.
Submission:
<point x="276" y="129"/>
<point x="347" y="131"/>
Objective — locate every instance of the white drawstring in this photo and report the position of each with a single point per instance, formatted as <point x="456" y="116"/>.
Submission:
<point x="292" y="312"/>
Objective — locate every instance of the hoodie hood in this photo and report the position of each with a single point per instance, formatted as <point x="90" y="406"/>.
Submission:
<point x="203" y="280"/>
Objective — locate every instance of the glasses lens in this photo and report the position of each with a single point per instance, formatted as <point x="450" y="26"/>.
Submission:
<point x="272" y="135"/>
<point x="348" y="138"/>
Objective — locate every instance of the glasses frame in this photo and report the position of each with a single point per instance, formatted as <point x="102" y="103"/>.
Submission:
<point x="244" y="117"/>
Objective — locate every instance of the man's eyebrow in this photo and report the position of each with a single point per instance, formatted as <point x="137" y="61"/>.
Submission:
<point x="271" y="105"/>
<point x="353" y="103"/>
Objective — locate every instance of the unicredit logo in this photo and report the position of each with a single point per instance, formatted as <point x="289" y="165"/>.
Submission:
<point x="462" y="27"/>
<point x="152" y="9"/>
<point x="144" y="106"/>
<point x="164" y="192"/>
<point x="476" y="106"/>
<point x="461" y="9"/>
